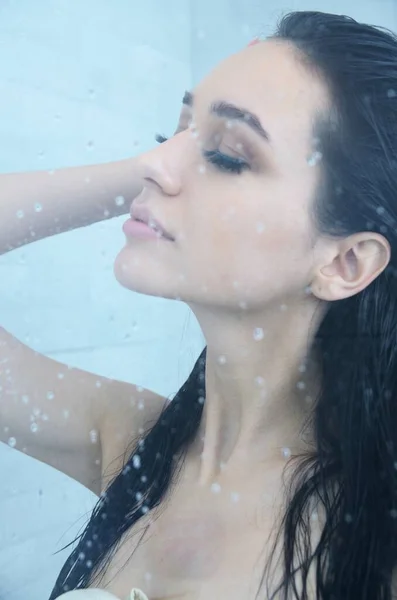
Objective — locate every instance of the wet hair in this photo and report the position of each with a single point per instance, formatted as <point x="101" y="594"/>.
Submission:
<point x="351" y="473"/>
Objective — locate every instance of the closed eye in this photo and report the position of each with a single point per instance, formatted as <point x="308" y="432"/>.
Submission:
<point x="223" y="162"/>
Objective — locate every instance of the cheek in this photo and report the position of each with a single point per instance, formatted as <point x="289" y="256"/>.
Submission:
<point x="247" y="248"/>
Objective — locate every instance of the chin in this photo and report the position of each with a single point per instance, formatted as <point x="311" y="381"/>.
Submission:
<point x="143" y="276"/>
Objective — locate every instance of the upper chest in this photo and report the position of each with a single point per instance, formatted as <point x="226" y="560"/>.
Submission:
<point x="203" y="542"/>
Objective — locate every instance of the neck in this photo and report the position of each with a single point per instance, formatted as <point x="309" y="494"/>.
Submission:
<point x="261" y="381"/>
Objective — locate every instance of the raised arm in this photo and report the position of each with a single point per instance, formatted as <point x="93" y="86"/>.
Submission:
<point x="38" y="204"/>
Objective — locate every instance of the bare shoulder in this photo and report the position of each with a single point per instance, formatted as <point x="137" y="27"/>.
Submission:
<point x="126" y="411"/>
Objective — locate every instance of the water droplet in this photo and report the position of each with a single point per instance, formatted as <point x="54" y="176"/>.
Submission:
<point x="20" y="214"/>
<point x="301" y="385"/>
<point x="61" y="375"/>
<point x="12" y="442"/>
<point x="138" y="496"/>
<point x="286" y="452"/>
<point x="119" y="200"/>
<point x="302" y="368"/>
<point x="235" y="497"/>
<point x="229" y="124"/>
<point x="25" y="399"/>
<point x="50" y="395"/>
<point x="81" y="556"/>
<point x="222" y="359"/>
<point x="89" y="564"/>
<point x="98" y="384"/>
<point x="136" y="461"/>
<point x="215" y="488"/>
<point x="258" y="334"/>
<point x="141" y="405"/>
<point x="148" y="576"/>
<point x="36" y="412"/>
<point x="260" y="228"/>
<point x="393" y="513"/>
<point x="144" y="479"/>
<point x="391" y="93"/>
<point x="348" y="518"/>
<point x="260" y="382"/>
<point x="38" y="207"/>
<point x="139" y="389"/>
<point x="202" y="169"/>
<point x="65" y="414"/>
<point x="93" y="436"/>
<point x="34" y="427"/>
<point x="314" y="159"/>
<point x="380" y="210"/>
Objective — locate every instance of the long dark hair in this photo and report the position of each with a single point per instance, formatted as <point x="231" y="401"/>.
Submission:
<point x="352" y="472"/>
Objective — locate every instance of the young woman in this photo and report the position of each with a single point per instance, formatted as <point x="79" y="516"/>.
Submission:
<point x="272" y="213"/>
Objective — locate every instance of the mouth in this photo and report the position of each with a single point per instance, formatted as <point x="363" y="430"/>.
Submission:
<point x="156" y="227"/>
<point x="142" y="214"/>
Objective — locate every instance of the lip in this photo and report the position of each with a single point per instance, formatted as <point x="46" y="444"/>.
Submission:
<point x="142" y="213"/>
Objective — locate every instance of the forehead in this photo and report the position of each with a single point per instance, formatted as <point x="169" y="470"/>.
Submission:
<point x="269" y="80"/>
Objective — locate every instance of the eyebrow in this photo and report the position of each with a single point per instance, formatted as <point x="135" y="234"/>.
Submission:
<point x="233" y="113"/>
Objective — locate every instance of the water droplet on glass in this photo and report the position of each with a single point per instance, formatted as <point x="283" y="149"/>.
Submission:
<point x="12" y="442"/>
<point x="258" y="334"/>
<point x="25" y="399"/>
<point x="348" y="518"/>
<point x="301" y="385"/>
<point x="136" y="461"/>
<point x="260" y="382"/>
<point x="391" y="93"/>
<point x="36" y="412"/>
<point x="34" y="427"/>
<point x="50" y="395"/>
<point x="89" y="564"/>
<point x="215" y="488"/>
<point x="65" y="414"/>
<point x="93" y="436"/>
<point x="141" y="405"/>
<point x="286" y="452"/>
<point x="222" y="359"/>
<point x="20" y="214"/>
<point x="202" y="169"/>
<point x="119" y="200"/>
<point x="38" y="207"/>
<point x="148" y="576"/>
<point x="235" y="497"/>
<point x="380" y="210"/>
<point x="98" y="384"/>
<point x="314" y="159"/>
<point x="138" y="496"/>
<point x="81" y="556"/>
<point x="61" y="375"/>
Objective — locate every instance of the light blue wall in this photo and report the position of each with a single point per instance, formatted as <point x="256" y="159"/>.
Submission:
<point x="90" y="81"/>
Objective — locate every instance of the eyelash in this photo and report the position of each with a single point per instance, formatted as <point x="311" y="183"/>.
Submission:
<point x="221" y="161"/>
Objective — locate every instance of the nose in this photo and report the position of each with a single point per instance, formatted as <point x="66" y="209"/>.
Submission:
<point x="160" y="169"/>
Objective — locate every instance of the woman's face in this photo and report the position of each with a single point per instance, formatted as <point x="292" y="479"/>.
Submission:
<point x="243" y="235"/>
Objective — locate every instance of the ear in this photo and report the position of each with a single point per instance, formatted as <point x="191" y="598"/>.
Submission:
<point x="355" y="262"/>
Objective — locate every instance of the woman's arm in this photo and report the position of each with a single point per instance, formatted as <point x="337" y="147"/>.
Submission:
<point x="38" y="204"/>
